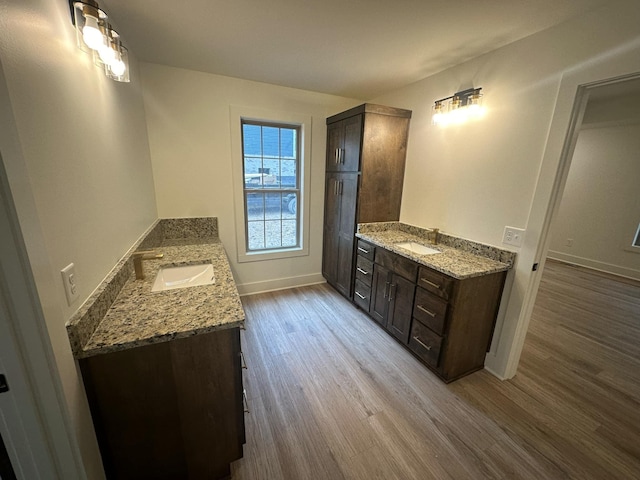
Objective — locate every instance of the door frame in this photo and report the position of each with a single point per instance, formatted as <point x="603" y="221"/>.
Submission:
<point x="33" y="419"/>
<point x="574" y="90"/>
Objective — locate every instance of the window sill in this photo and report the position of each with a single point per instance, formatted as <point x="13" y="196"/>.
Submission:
<point x="245" y="257"/>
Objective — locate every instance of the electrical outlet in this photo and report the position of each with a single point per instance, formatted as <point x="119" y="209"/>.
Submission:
<point x="69" y="281"/>
<point x="569" y="242"/>
<point x="513" y="236"/>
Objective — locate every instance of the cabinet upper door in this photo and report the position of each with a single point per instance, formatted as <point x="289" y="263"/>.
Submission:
<point x="350" y="161"/>
<point x="344" y="140"/>
<point x="335" y="143"/>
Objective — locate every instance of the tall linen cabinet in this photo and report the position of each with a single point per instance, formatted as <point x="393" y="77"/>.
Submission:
<point x="366" y="151"/>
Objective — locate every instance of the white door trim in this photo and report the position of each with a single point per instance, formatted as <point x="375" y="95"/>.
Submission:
<point x="33" y="417"/>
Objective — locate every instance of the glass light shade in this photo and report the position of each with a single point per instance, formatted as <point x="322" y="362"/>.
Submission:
<point x="118" y="69"/>
<point x="439" y="113"/>
<point x="88" y="20"/>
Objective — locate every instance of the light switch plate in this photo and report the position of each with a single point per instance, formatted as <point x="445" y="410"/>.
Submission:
<point x="513" y="236"/>
<point x="69" y="281"/>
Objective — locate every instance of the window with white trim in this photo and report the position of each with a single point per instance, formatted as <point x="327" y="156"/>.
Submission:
<point x="271" y="173"/>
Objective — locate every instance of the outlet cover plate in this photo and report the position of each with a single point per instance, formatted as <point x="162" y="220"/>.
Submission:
<point x="69" y="281"/>
<point x="513" y="236"/>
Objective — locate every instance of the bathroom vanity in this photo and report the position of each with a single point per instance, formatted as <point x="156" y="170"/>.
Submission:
<point x="439" y="301"/>
<point x="163" y="369"/>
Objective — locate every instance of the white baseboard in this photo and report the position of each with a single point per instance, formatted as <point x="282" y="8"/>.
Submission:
<point x="280" y="284"/>
<point x="595" y="265"/>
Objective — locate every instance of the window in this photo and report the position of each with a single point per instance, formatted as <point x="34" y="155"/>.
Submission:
<point x="270" y="162"/>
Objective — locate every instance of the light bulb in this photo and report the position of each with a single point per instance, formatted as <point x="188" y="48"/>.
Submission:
<point x="91" y="33"/>
<point x="107" y="54"/>
<point x="117" y="67"/>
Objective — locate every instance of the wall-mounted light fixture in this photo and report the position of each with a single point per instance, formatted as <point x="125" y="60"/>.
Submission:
<point x="95" y="36"/>
<point x="459" y="107"/>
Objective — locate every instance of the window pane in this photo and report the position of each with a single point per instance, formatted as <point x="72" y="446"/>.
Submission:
<point x="273" y="233"/>
<point x="271" y="141"/>
<point x="255" y="206"/>
<point x="289" y="174"/>
<point x="289" y="205"/>
<point x="273" y="210"/>
<point x="255" y="234"/>
<point x="289" y="233"/>
<point x="288" y="148"/>
<point x="251" y="140"/>
<point x="271" y="172"/>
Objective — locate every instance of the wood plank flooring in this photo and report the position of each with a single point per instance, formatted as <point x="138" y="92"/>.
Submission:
<point x="332" y="396"/>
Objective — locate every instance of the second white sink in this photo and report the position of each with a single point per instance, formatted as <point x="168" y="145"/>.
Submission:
<point x="417" y="248"/>
<point x="170" y="278"/>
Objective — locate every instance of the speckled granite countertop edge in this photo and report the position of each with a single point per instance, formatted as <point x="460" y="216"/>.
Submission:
<point x="459" y="258"/>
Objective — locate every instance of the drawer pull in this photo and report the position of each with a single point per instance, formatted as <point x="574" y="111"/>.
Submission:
<point x="363" y="250"/>
<point x="364" y="272"/>
<point x="427" y="347"/>
<point x="245" y="402"/>
<point x="243" y="362"/>
<point x="360" y="295"/>
<point x="431" y="314"/>
<point x="430" y="283"/>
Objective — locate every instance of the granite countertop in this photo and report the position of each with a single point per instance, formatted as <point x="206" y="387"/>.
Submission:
<point x="453" y="261"/>
<point x="124" y="313"/>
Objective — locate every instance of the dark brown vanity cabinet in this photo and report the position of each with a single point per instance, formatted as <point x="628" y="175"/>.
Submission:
<point x="366" y="149"/>
<point x="392" y="294"/>
<point x="171" y="410"/>
<point x="453" y="321"/>
<point x="446" y="322"/>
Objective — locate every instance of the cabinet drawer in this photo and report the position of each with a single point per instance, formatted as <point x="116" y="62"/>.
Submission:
<point x="425" y="343"/>
<point x="366" y="250"/>
<point x="435" y="282"/>
<point x="397" y="263"/>
<point x="362" y="295"/>
<point x="430" y="310"/>
<point x="364" y="270"/>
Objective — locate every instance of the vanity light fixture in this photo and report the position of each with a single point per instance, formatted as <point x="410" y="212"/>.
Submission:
<point x="94" y="35"/>
<point x="458" y="108"/>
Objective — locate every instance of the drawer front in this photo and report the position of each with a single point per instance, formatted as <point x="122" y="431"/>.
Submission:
<point x="362" y="295"/>
<point x="425" y="344"/>
<point x="366" y="250"/>
<point x="431" y="310"/>
<point x="364" y="270"/>
<point x="435" y="282"/>
<point x="397" y="263"/>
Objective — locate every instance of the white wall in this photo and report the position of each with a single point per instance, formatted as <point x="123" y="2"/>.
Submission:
<point x="472" y="180"/>
<point x="76" y="152"/>
<point x="600" y="209"/>
<point x="188" y="117"/>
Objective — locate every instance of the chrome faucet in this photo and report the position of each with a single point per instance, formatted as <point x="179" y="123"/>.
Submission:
<point x="143" y="255"/>
<point x="432" y="236"/>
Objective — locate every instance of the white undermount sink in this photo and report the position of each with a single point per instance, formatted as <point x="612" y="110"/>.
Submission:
<point x="170" y="278"/>
<point x="417" y="248"/>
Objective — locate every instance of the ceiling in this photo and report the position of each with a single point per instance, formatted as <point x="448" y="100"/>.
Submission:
<point x="352" y="48"/>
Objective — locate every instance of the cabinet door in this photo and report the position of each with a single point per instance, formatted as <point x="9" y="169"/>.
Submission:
<point x="350" y="160"/>
<point x="379" y="294"/>
<point x="401" y="293"/>
<point x="347" y="197"/>
<point x="331" y="229"/>
<point x="335" y="143"/>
